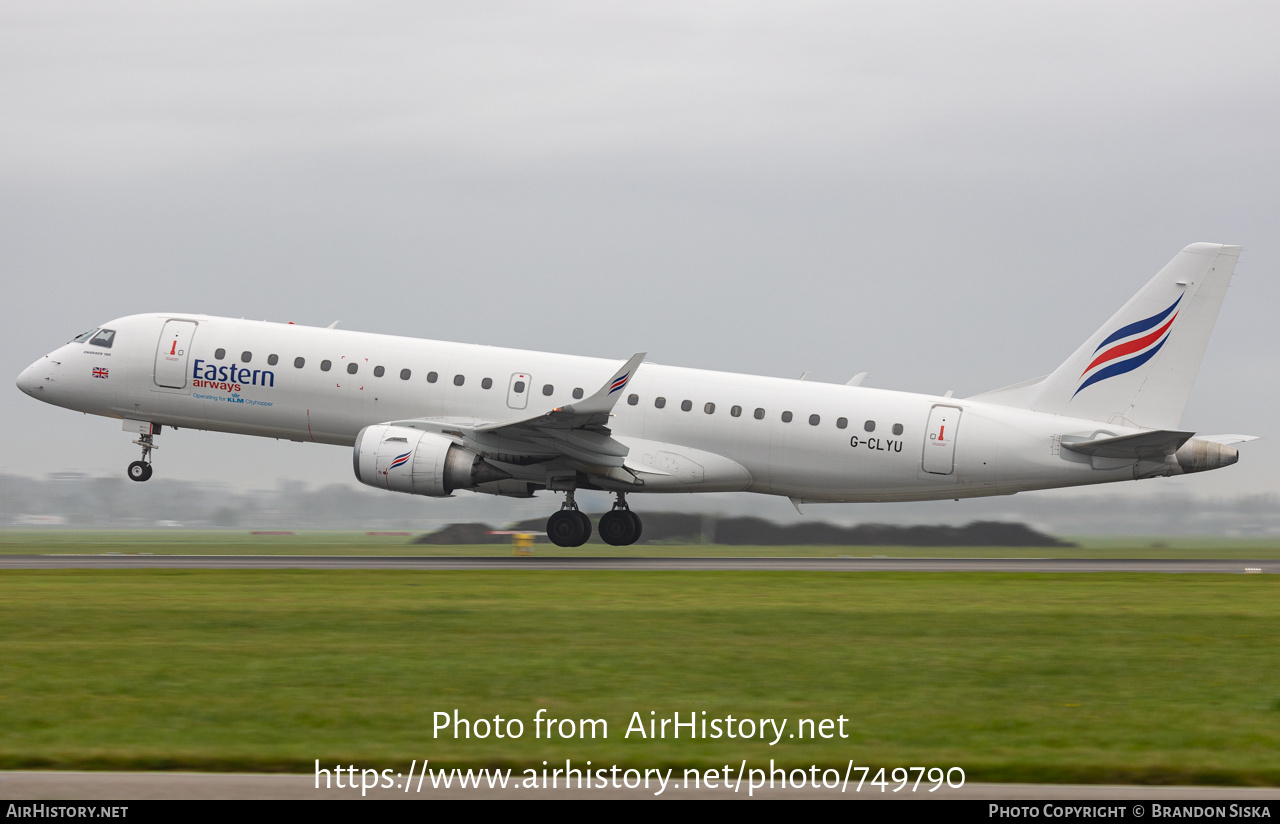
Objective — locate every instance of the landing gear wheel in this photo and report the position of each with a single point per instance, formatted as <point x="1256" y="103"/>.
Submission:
<point x="139" y="471"/>
<point x="639" y="527"/>
<point x="568" y="528"/>
<point x="619" y="527"/>
<point x="584" y="524"/>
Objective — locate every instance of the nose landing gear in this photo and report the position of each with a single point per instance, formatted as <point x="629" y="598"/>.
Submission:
<point x="570" y="526"/>
<point x="141" y="470"/>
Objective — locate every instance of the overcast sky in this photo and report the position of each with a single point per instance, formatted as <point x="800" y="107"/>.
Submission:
<point x="946" y="195"/>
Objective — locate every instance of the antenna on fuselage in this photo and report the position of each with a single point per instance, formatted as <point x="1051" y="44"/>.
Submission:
<point x="333" y="325"/>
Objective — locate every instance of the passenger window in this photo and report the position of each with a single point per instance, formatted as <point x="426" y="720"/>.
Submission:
<point x="404" y="374"/>
<point x="814" y="420"/>
<point x="632" y="400"/>
<point x="897" y="429"/>
<point x="786" y="417"/>
<point x="547" y="389"/>
<point x="577" y="393"/>
<point x="759" y="414"/>
<point x="487" y="383"/>
<point x="298" y="363"/>
<point x="870" y="426"/>
<point x="272" y="360"/>
<point x="378" y="371"/>
<point x="219" y="354"/>
<point x="685" y="406"/>
<point x="736" y="411"/>
<point x="842" y="423"/>
<point x="660" y="402"/>
<point x="246" y="356"/>
<point x="103" y="338"/>
<point x="325" y="365"/>
<point x="519" y="387"/>
<point x="432" y="377"/>
<point x="352" y="368"/>
<point x="710" y="409"/>
<point x="459" y="380"/>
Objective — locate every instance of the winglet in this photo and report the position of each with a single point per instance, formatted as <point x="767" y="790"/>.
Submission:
<point x="592" y="411"/>
<point x="602" y="402"/>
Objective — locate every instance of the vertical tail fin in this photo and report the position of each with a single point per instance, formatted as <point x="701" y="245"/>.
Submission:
<point x="1139" y="367"/>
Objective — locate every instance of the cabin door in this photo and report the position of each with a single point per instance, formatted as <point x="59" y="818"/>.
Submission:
<point x="940" y="440"/>
<point x="173" y="352"/>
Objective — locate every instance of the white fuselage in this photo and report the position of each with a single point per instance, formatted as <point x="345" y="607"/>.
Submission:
<point x="811" y="442"/>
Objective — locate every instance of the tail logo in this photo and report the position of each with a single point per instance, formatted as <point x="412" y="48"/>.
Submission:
<point x="1129" y="347"/>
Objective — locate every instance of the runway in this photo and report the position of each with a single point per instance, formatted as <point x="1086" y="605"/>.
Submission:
<point x="555" y="564"/>
<point x="102" y="786"/>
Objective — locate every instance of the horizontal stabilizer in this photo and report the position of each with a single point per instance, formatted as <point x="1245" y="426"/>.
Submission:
<point x="1228" y="439"/>
<point x="1143" y="446"/>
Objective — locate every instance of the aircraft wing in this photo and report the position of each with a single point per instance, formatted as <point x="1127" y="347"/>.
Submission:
<point x="589" y="413"/>
<point x="577" y="432"/>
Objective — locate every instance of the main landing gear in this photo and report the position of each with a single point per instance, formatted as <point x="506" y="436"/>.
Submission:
<point x="620" y="526"/>
<point x="141" y="470"/>
<point x="571" y="527"/>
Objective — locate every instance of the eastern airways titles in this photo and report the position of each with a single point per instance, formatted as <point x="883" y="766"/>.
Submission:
<point x="229" y="378"/>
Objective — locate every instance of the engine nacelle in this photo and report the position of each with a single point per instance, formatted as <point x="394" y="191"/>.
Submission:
<point x="417" y="462"/>
<point x="1199" y="455"/>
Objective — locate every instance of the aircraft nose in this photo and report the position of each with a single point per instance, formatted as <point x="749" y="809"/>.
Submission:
<point x="31" y="381"/>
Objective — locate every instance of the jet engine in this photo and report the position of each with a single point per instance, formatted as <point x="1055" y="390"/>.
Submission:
<point x="1198" y="455"/>
<point x="418" y="462"/>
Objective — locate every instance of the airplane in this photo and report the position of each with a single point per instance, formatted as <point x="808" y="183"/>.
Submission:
<point x="432" y="418"/>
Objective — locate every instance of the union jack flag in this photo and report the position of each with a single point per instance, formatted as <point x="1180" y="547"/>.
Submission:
<point x="98" y="372"/>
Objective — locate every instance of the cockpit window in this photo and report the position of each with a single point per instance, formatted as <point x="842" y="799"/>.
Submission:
<point x="103" y="338"/>
<point x="84" y="337"/>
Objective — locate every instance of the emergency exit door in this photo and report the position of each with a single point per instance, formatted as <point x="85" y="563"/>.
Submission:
<point x="173" y="352"/>
<point x="940" y="440"/>
<point x="518" y="390"/>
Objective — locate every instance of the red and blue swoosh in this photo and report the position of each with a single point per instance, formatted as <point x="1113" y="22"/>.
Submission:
<point x="1129" y="347"/>
<point x="400" y="460"/>
<point x="618" y="384"/>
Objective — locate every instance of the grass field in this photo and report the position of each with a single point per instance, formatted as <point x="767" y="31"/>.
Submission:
<point x="229" y="542"/>
<point x="1093" y="678"/>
